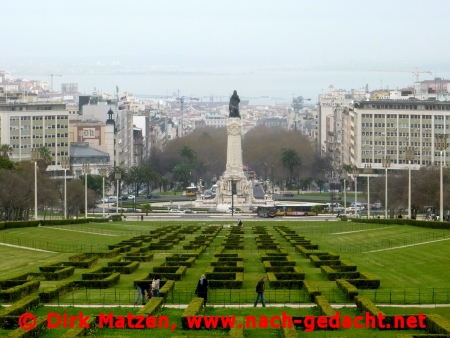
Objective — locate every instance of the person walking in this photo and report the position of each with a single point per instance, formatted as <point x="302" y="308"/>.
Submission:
<point x="141" y="288"/>
<point x="155" y="285"/>
<point x="202" y="289"/>
<point x="239" y="223"/>
<point x="260" y="287"/>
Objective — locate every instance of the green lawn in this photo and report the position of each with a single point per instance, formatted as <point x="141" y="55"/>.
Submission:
<point x="409" y="275"/>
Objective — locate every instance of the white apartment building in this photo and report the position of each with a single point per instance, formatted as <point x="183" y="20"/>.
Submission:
<point x="25" y="126"/>
<point x="386" y="127"/>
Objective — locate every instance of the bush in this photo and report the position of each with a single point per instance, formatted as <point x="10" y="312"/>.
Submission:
<point x="81" y="332"/>
<point x="193" y="309"/>
<point x="16" y="289"/>
<point x="17" y="308"/>
<point x="365" y="304"/>
<point x="36" y="331"/>
<point x="334" y="273"/>
<point x="152" y="307"/>
<point x="170" y="272"/>
<point x="324" y="307"/>
<point x="276" y="283"/>
<point x="122" y="267"/>
<point x="98" y="280"/>
<point x="227" y="283"/>
<point x="238" y="330"/>
<point x="188" y="262"/>
<point x="349" y="289"/>
<point x="58" y="273"/>
<point x="290" y="333"/>
<point x="166" y="289"/>
<point x="438" y="325"/>
<point x="311" y="290"/>
<point x="48" y="294"/>
<point x="82" y="261"/>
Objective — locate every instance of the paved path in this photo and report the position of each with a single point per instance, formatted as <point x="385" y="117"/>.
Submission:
<point x="25" y="247"/>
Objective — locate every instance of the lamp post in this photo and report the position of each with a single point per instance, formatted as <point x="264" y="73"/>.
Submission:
<point x="345" y="177"/>
<point x="355" y="177"/>
<point x="409" y="155"/>
<point x="117" y="176"/>
<point x="298" y="181"/>
<point x="386" y="162"/>
<point x="35" y="156"/>
<point x="65" y="164"/>
<point x="233" y="192"/>
<point x="103" y="173"/>
<point x="441" y="145"/>
<point x="368" y="171"/>
<point x="86" y="170"/>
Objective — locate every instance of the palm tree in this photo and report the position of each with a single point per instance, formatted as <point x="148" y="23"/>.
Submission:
<point x="45" y="159"/>
<point x="6" y="150"/>
<point x="189" y="154"/>
<point x="146" y="208"/>
<point x="290" y="160"/>
<point x="181" y="173"/>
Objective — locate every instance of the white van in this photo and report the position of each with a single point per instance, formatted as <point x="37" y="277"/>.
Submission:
<point x="112" y="199"/>
<point x="336" y="207"/>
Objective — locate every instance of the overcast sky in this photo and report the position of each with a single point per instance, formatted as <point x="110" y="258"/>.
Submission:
<point x="215" y="34"/>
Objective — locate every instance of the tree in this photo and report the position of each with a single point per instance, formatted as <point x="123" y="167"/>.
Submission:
<point x="189" y="154"/>
<point x="6" y="150"/>
<point x="181" y="173"/>
<point x="146" y="208"/>
<point x="45" y="158"/>
<point x="317" y="209"/>
<point x="290" y="159"/>
<point x="320" y="184"/>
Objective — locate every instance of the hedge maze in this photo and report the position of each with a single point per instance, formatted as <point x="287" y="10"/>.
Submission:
<point x="178" y="253"/>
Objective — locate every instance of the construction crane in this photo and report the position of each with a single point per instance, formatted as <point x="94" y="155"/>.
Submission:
<point x="181" y="100"/>
<point x="416" y="72"/>
<point x="51" y="80"/>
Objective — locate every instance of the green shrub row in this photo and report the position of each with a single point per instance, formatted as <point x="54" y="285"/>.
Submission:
<point x="58" y="273"/>
<point x="108" y="280"/>
<point x="221" y="260"/>
<point x="366" y="305"/>
<point x="133" y="243"/>
<point x="238" y="330"/>
<point x="82" y="261"/>
<point x="290" y="332"/>
<point x="127" y="269"/>
<point x="227" y="284"/>
<point x="48" y="294"/>
<point x="277" y="268"/>
<point x="437" y="324"/>
<point x="306" y="252"/>
<point x="152" y="307"/>
<point x="107" y="254"/>
<point x="318" y="261"/>
<point x="188" y="262"/>
<point x="349" y="290"/>
<point x="311" y="290"/>
<point x="162" y="246"/>
<point x="143" y="257"/>
<point x="122" y="247"/>
<point x="177" y="273"/>
<point x="284" y="283"/>
<point x="19" y="276"/>
<point x="166" y="289"/>
<point x="21" y="289"/>
<point x="81" y="332"/>
<point x="231" y="267"/>
<point x="334" y="273"/>
<point x="194" y="308"/>
<point x="16" y="309"/>
<point x="324" y="307"/>
<point x="193" y="246"/>
<point x="39" y="328"/>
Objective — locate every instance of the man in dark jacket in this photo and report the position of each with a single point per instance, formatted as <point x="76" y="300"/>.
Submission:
<point x="141" y="288"/>
<point x="260" y="287"/>
<point x="202" y="289"/>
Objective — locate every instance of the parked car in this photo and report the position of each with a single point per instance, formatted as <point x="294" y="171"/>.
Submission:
<point x="131" y="197"/>
<point x="288" y="194"/>
<point x="188" y="211"/>
<point x="112" y="199"/>
<point x="153" y="196"/>
<point x="124" y="198"/>
<point x="175" y="211"/>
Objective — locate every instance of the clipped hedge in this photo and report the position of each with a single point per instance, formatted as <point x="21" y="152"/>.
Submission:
<point x="36" y="331"/>
<point x="188" y="262"/>
<point x="366" y="305"/>
<point x="170" y="272"/>
<point x="319" y="261"/>
<point x="16" y="289"/>
<point x="166" y="289"/>
<point x="307" y="252"/>
<point x="193" y="309"/>
<point x="143" y="257"/>
<point x="324" y="307"/>
<point x="238" y="330"/>
<point x="152" y="306"/>
<point x="347" y="288"/>
<point x="48" y="294"/>
<point x="235" y="283"/>
<point x="54" y="272"/>
<point x="277" y="268"/>
<point x="311" y="290"/>
<point x="82" y="261"/>
<point x="230" y="267"/>
<point x="289" y="283"/>
<point x="98" y="280"/>
<point x="81" y="332"/>
<point x="437" y="324"/>
<point x="16" y="309"/>
<point x="106" y="254"/>
<point x="334" y="273"/>
<point x="290" y="332"/>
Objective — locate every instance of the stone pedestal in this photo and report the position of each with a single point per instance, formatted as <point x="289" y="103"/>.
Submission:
<point x="233" y="171"/>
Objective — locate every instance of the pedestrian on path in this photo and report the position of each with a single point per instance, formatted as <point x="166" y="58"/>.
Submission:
<point x="141" y="288"/>
<point x="260" y="287"/>
<point x="202" y="289"/>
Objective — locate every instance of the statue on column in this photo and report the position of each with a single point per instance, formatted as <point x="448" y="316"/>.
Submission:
<point x="234" y="105"/>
